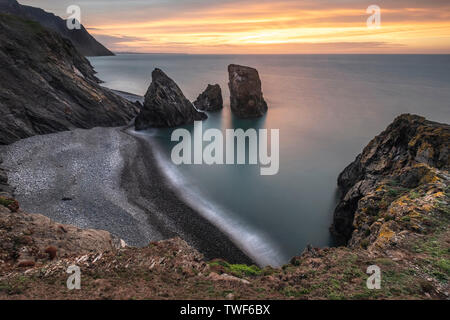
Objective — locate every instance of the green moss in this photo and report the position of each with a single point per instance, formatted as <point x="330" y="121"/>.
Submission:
<point x="6" y="201"/>
<point x="6" y="288"/>
<point x="365" y="243"/>
<point x="406" y="219"/>
<point x="444" y="208"/>
<point x="402" y="282"/>
<point x="444" y="264"/>
<point x="384" y="262"/>
<point x="393" y="193"/>
<point x="352" y="272"/>
<point x="267" y="271"/>
<point x="239" y="270"/>
<point x="211" y="290"/>
<point x="432" y="247"/>
<point x="447" y="192"/>
<point x="292" y="292"/>
<point x="16" y="286"/>
<point x="335" y="284"/>
<point x="393" y="183"/>
<point x="335" y="296"/>
<point x="31" y="27"/>
<point x="227" y="292"/>
<point x="365" y="295"/>
<point x="219" y="263"/>
<point x="414" y="195"/>
<point x="244" y="270"/>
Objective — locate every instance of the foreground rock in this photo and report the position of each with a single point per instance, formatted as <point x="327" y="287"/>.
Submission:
<point x="165" y="105"/>
<point x="211" y="99"/>
<point x="48" y="86"/>
<point x="410" y="152"/>
<point x="81" y="39"/>
<point x="5" y="189"/>
<point x="247" y="99"/>
<point x="32" y="240"/>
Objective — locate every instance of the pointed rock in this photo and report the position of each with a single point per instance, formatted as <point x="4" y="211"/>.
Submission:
<point x="165" y="105"/>
<point x="211" y="99"/>
<point x="247" y="99"/>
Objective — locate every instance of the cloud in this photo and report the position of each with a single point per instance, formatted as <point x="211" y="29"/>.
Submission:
<point x="116" y="43"/>
<point x="262" y="25"/>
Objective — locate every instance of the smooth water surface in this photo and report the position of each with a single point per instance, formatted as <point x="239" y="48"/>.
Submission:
<point x="327" y="107"/>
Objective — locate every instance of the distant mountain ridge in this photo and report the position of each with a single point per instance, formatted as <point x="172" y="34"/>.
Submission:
<point x="82" y="40"/>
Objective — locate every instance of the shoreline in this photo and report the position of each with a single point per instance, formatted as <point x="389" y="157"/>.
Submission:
<point x="107" y="179"/>
<point x="179" y="219"/>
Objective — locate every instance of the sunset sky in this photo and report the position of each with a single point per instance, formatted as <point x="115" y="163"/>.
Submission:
<point x="260" y="26"/>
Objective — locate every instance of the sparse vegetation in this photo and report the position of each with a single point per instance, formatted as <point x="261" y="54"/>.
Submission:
<point x="238" y="270"/>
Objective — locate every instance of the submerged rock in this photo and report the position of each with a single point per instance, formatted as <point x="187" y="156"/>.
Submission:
<point x="211" y="99"/>
<point x="165" y="105"/>
<point x="247" y="99"/>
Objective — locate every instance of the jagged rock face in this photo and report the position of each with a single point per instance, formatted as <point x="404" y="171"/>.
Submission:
<point x="27" y="238"/>
<point x="403" y="157"/>
<point x="165" y="105"/>
<point x="48" y="86"/>
<point x="81" y="39"/>
<point x="247" y="99"/>
<point x="5" y="189"/>
<point x="211" y="99"/>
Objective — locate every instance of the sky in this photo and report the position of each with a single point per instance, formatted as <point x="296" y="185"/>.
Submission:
<point x="262" y="26"/>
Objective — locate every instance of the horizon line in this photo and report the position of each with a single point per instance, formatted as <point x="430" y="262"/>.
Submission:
<point x="280" y="54"/>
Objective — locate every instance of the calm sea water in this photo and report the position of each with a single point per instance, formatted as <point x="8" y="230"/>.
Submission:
<point x="327" y="107"/>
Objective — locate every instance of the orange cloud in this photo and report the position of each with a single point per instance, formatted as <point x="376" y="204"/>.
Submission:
<point x="284" y="28"/>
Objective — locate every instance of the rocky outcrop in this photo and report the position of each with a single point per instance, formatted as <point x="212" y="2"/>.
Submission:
<point x="247" y="99"/>
<point x="165" y="105"/>
<point x="81" y="39"/>
<point x="211" y="99"/>
<point x="48" y="86"/>
<point x="29" y="240"/>
<point x="412" y="153"/>
<point x="5" y="189"/>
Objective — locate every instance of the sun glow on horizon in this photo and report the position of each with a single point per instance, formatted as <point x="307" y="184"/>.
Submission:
<point x="286" y="26"/>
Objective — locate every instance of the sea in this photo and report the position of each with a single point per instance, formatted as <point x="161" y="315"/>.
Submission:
<point x="326" y="107"/>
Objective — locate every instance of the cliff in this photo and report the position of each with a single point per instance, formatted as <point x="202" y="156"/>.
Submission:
<point x="48" y="86"/>
<point x="410" y="153"/>
<point x="81" y="39"/>
<point x="400" y="223"/>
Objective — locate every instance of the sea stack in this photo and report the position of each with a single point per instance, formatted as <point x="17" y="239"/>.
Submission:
<point x="211" y="99"/>
<point x="246" y="96"/>
<point x="165" y="105"/>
